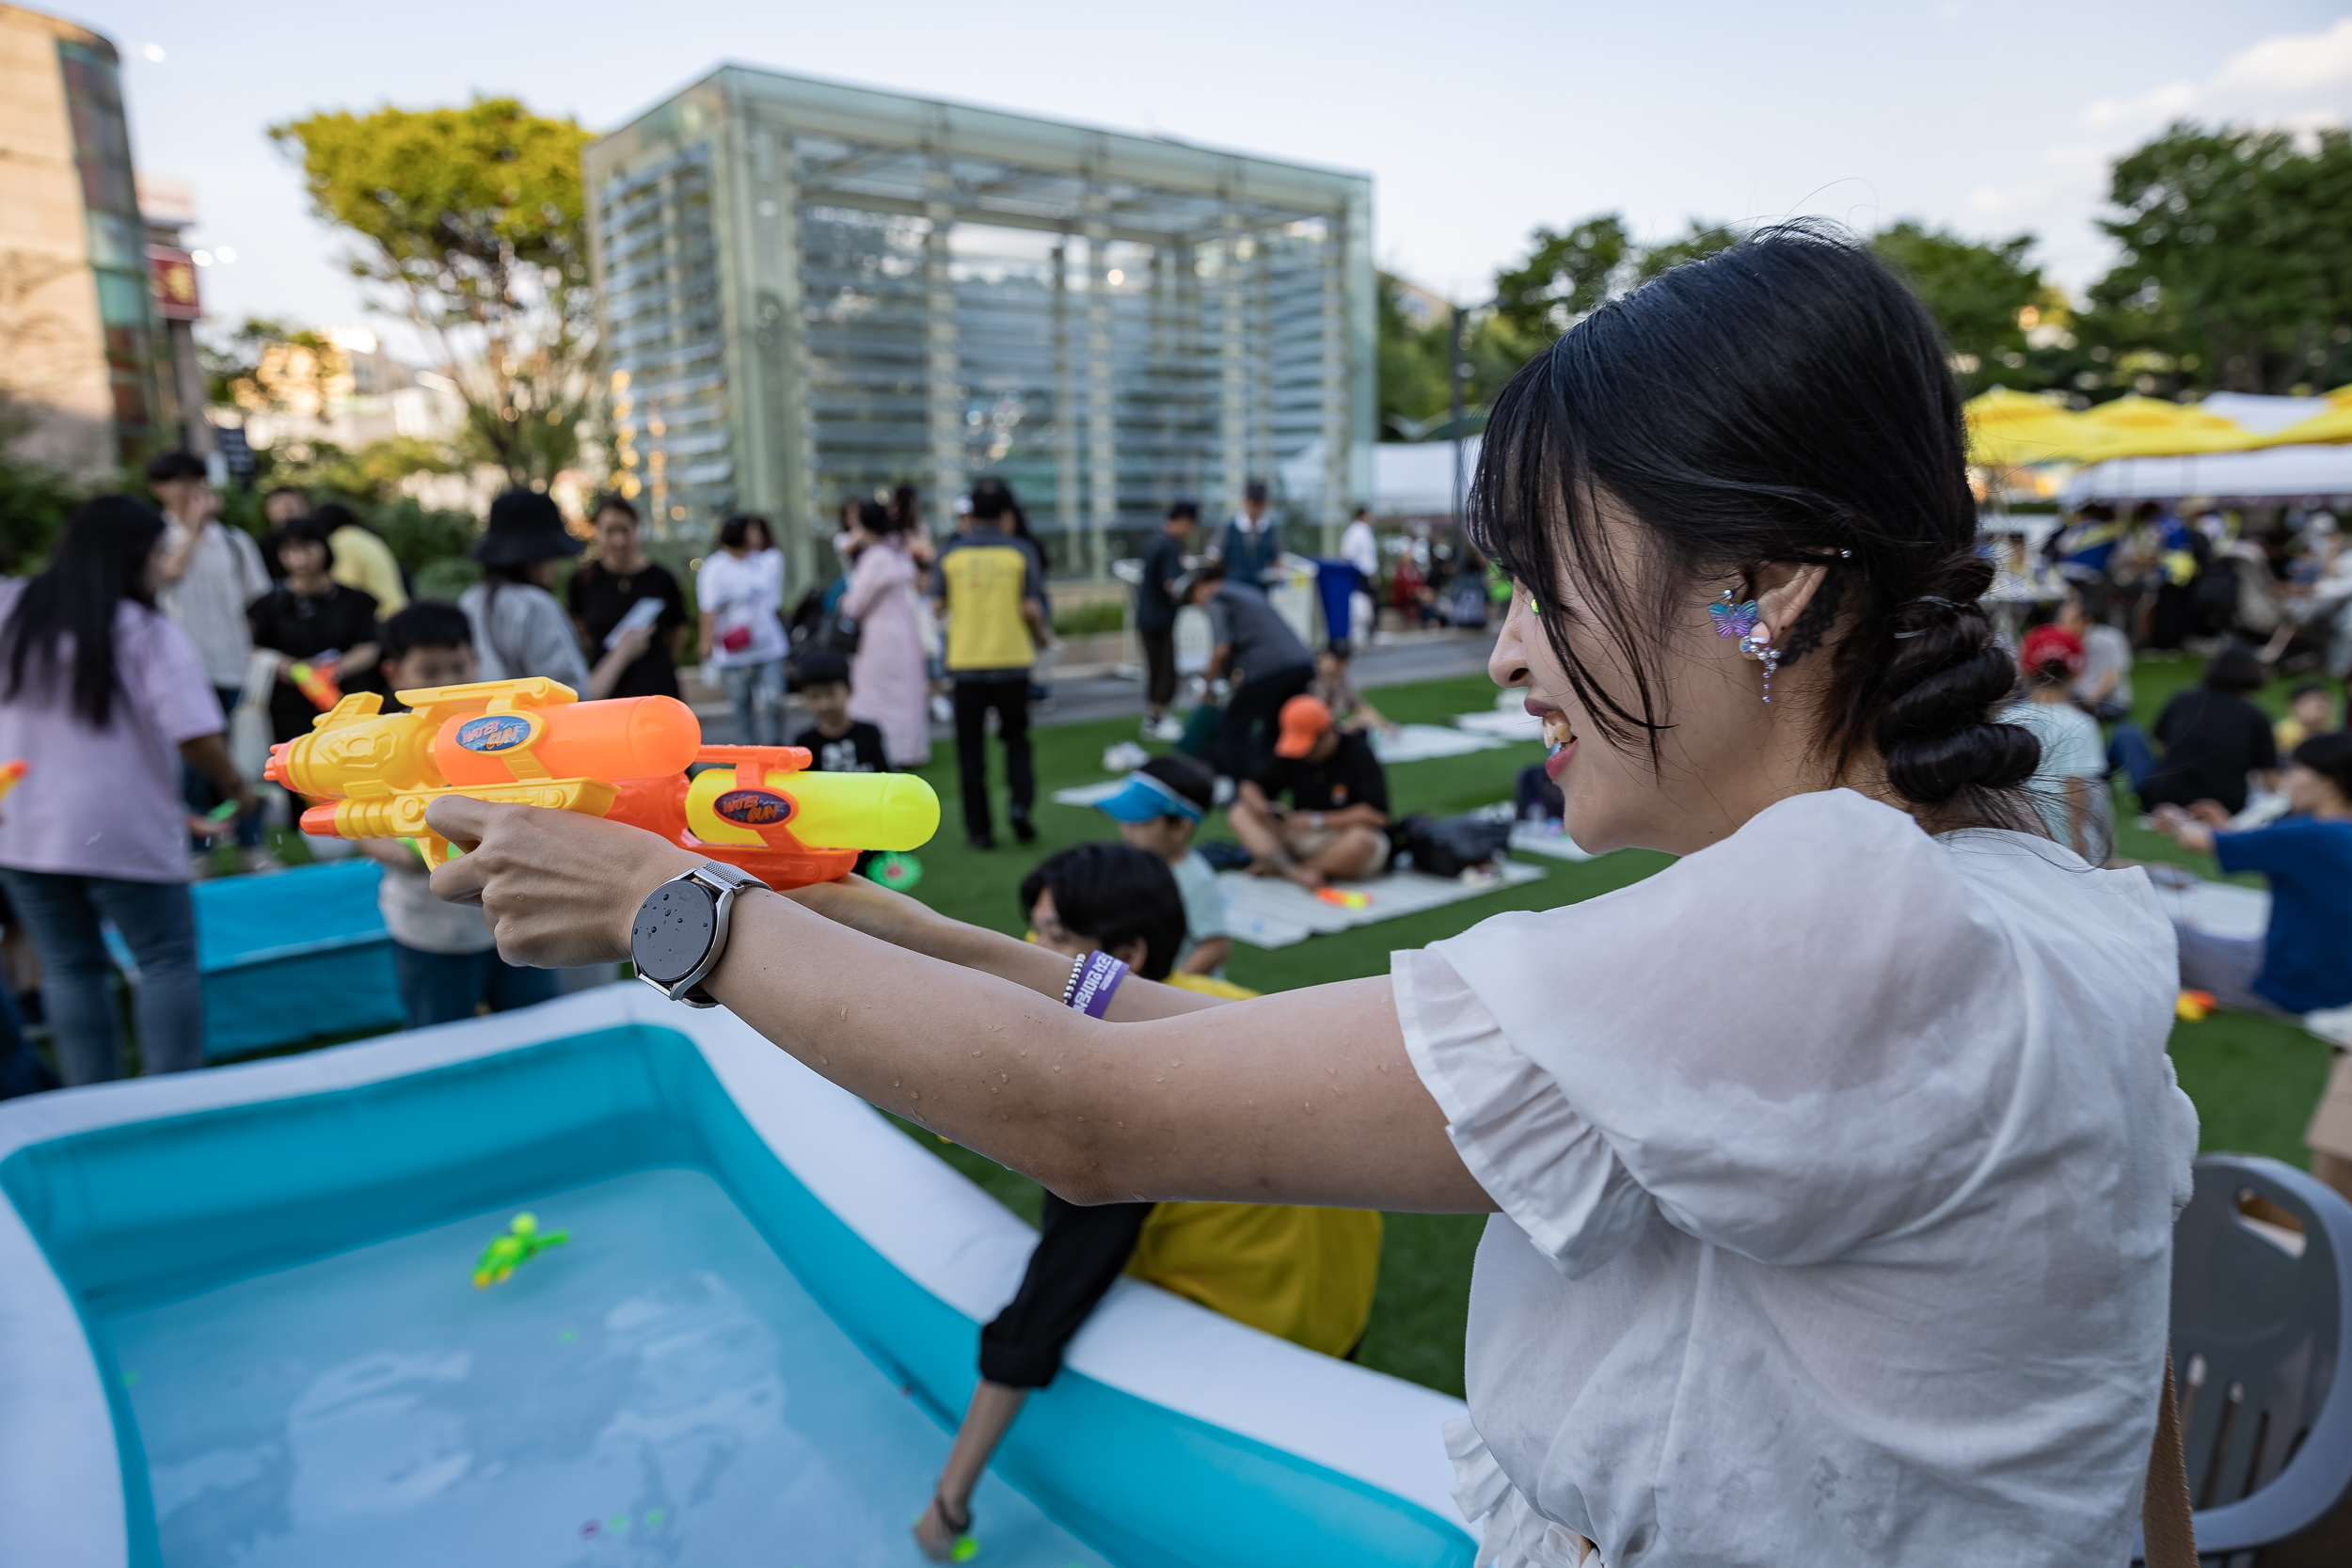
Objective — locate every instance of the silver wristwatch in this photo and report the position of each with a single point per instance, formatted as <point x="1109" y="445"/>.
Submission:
<point x="681" y="930"/>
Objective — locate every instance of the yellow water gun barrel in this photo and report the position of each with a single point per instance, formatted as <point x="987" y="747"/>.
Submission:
<point x="828" y="811"/>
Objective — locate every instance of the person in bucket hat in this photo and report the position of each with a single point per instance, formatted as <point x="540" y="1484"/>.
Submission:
<point x="519" y="629"/>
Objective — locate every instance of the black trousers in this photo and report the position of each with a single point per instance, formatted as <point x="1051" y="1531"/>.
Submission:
<point x="1080" y="1252"/>
<point x="1159" y="664"/>
<point x="1010" y="699"/>
<point x="1252" y="716"/>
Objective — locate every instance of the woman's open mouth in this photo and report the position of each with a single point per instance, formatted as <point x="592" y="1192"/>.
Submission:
<point x="1559" y="737"/>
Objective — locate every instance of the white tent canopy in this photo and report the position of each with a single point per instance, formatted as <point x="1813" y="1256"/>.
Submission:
<point x="2265" y="416"/>
<point x="2274" y="473"/>
<point x="1415" y="479"/>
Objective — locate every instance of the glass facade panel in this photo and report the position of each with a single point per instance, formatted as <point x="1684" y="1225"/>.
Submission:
<point x="117" y="248"/>
<point x="925" y="293"/>
<point x="663" y="342"/>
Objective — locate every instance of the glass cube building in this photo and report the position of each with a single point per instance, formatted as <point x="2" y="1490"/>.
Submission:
<point x="813" y="292"/>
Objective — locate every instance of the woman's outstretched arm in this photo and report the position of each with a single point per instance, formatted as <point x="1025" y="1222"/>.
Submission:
<point x="1303" y="1097"/>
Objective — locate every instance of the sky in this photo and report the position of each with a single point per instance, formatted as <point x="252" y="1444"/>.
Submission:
<point x="1478" y="120"/>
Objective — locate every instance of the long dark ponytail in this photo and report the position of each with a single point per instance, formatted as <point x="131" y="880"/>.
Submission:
<point x="101" y="559"/>
<point x="1786" y="399"/>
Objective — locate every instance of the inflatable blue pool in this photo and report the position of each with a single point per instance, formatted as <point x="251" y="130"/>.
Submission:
<point x="238" y="1325"/>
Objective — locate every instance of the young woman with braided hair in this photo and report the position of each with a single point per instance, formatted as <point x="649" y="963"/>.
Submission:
<point x="1835" y="1165"/>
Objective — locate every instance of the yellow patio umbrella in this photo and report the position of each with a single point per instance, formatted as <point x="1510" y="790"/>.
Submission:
<point x="2009" y="429"/>
<point x="2136" y="426"/>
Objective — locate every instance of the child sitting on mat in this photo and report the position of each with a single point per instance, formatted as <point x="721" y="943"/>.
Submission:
<point x="1158" y="810"/>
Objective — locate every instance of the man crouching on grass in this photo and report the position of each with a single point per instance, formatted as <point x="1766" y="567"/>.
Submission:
<point x="1335" y="826"/>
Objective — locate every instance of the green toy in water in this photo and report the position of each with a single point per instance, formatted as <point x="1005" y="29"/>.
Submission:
<point x="518" y="1245"/>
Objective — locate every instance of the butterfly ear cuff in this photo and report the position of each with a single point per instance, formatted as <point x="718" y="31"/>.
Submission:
<point x="1739" y="619"/>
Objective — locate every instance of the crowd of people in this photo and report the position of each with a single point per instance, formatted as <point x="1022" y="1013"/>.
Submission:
<point x="1693" y="1179"/>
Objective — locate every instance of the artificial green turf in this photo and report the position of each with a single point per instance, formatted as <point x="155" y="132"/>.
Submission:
<point x="2254" y="1080"/>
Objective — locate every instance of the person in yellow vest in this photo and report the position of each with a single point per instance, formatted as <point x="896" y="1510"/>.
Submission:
<point x="362" y="560"/>
<point x="989" y="587"/>
<point x="1306" y="1275"/>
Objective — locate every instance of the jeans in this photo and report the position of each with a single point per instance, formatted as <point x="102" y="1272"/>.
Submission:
<point x="1010" y="699"/>
<point x="1254" y="714"/>
<point x="21" y="1070"/>
<point x="2128" y="750"/>
<point x="201" y="796"/>
<point x="756" y="691"/>
<point x="157" y="920"/>
<point x="443" y="987"/>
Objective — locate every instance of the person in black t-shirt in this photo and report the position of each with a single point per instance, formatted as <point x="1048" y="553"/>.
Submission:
<point x="838" y="743"/>
<point x="603" y="592"/>
<point x="2212" y="739"/>
<point x="1156" y="614"/>
<point x="312" y="619"/>
<point x="1335" y="824"/>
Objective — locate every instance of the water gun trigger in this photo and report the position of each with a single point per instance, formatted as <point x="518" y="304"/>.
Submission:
<point x="434" y="850"/>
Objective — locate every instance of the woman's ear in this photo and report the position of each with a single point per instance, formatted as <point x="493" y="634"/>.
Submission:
<point x="1132" y="953"/>
<point x="1782" y="590"/>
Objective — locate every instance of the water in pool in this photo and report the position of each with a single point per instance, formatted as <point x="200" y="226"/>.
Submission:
<point x="659" y="1390"/>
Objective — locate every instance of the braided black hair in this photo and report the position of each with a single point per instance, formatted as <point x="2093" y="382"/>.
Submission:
<point x="1784" y="401"/>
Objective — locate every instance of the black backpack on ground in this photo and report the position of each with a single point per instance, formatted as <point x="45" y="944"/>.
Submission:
<point x="1449" y="847"/>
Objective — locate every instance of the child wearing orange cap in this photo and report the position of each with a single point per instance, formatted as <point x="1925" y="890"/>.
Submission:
<point x="1335" y="825"/>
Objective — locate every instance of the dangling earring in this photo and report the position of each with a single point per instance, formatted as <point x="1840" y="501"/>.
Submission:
<point x="1758" y="645"/>
<point x="1739" y="619"/>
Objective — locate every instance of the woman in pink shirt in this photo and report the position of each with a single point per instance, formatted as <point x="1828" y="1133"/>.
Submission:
<point x="888" y="685"/>
<point x="104" y="695"/>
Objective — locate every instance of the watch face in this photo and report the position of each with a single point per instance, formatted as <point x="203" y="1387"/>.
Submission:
<point x="674" y="930"/>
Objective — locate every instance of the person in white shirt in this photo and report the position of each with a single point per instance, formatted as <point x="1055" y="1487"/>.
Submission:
<point x="740" y="591"/>
<point x="206" y="576"/>
<point x="1833" y="1167"/>
<point x="1360" y="549"/>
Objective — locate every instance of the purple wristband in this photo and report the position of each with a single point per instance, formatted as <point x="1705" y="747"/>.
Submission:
<point x="1092" y="983"/>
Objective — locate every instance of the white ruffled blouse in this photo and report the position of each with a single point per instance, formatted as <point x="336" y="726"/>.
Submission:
<point x="1837" y="1165"/>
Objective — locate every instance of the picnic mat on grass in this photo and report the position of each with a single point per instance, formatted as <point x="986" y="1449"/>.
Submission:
<point x="1270" y="912"/>
<point x="1511" y="723"/>
<point x="2224" y="909"/>
<point x="1419" y="742"/>
<point x="1087" y="795"/>
<point x="1533" y="838"/>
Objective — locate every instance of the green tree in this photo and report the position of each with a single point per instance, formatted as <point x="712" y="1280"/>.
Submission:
<point x="35" y="499"/>
<point x="1703" y="240"/>
<point x="469" y="220"/>
<point x="1413" y="386"/>
<point x="1986" y="297"/>
<point x="1569" y="273"/>
<point x="2236" y="265"/>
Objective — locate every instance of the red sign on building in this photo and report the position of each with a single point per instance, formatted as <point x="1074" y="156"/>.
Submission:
<point x="172" y="275"/>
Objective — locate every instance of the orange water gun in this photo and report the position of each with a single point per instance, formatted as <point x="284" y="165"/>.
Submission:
<point x="12" y="774"/>
<point x="533" y="742"/>
<point x="316" y="681"/>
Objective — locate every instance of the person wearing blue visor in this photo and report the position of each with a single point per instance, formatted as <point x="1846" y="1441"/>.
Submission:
<point x="1158" y="809"/>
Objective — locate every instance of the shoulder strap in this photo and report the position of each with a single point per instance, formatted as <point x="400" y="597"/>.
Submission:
<point x="2164" y="1511"/>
